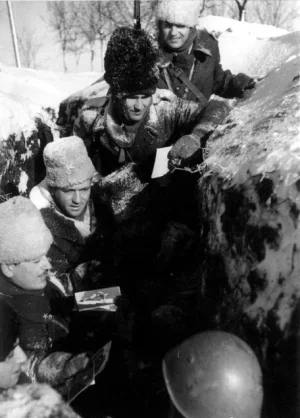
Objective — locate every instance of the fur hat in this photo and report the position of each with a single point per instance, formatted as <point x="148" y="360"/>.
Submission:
<point x="23" y="233"/>
<point x="180" y="12"/>
<point x="67" y="162"/>
<point x="131" y="62"/>
<point x="34" y="400"/>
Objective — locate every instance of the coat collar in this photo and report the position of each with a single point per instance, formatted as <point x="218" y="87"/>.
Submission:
<point x="202" y="43"/>
<point x="112" y="134"/>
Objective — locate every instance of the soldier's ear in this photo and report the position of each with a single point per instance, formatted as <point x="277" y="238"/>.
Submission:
<point x="7" y="270"/>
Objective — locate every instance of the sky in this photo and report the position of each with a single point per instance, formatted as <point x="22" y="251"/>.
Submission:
<point x="32" y="16"/>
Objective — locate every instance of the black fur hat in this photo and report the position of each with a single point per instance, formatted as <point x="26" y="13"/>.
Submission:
<point x="131" y="62"/>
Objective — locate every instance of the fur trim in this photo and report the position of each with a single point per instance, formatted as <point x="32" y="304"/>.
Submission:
<point x="180" y="12"/>
<point x="40" y="196"/>
<point x="67" y="162"/>
<point x="23" y="233"/>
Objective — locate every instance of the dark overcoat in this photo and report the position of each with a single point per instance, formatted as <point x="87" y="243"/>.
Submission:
<point x="208" y="76"/>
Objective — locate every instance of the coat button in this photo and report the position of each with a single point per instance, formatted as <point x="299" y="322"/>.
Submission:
<point x="186" y="89"/>
<point x="177" y="88"/>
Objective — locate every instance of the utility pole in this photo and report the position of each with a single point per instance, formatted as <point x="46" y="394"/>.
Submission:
<point x="14" y="35"/>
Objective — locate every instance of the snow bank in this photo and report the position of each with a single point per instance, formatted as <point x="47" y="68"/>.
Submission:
<point x="251" y="48"/>
<point x="26" y="93"/>
<point x="220" y="24"/>
<point x="254" y="56"/>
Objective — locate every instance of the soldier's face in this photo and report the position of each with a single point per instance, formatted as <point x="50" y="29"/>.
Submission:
<point x="136" y="106"/>
<point x="74" y="200"/>
<point x="30" y="275"/>
<point x="174" y="35"/>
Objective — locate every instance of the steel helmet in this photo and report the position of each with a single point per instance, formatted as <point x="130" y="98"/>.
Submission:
<point x="214" y="374"/>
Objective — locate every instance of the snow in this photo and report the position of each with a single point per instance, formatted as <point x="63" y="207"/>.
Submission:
<point x="220" y="24"/>
<point x="22" y="186"/>
<point x="26" y="93"/>
<point x="254" y="56"/>
<point x="251" y="48"/>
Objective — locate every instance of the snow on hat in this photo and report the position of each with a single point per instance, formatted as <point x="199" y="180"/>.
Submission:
<point x="131" y="62"/>
<point x="23" y="233"/>
<point x="67" y="162"/>
<point x="179" y="12"/>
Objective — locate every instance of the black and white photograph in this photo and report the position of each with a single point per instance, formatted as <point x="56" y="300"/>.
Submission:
<point x="150" y="209"/>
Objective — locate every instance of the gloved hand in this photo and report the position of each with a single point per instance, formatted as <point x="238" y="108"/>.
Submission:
<point x="87" y="268"/>
<point x="59" y="366"/>
<point x="243" y="82"/>
<point x="184" y="148"/>
<point x="74" y="365"/>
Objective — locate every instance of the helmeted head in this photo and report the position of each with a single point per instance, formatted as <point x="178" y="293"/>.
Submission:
<point x="24" y="243"/>
<point x="131" y="62"/>
<point x="69" y="174"/>
<point x="174" y="19"/>
<point x="214" y="374"/>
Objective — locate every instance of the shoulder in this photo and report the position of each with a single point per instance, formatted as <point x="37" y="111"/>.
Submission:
<point x="95" y="103"/>
<point x="39" y="194"/>
<point x="204" y="35"/>
<point x="206" y="42"/>
<point x="92" y="111"/>
<point x="163" y="98"/>
<point x="55" y="222"/>
<point x="103" y="211"/>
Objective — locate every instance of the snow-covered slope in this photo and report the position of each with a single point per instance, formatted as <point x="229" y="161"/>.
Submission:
<point x="26" y="93"/>
<point x="220" y="24"/>
<point x="251" y="48"/>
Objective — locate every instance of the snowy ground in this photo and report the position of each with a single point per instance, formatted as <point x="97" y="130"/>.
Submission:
<point x="25" y="93"/>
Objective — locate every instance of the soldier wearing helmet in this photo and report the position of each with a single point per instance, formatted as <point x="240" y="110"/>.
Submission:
<point x="214" y="375"/>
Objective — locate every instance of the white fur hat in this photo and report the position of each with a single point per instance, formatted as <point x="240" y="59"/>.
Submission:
<point x="23" y="233"/>
<point x="67" y="162"/>
<point x="181" y="12"/>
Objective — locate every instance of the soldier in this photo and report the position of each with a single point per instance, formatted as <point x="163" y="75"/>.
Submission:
<point x="25" y="312"/>
<point x="214" y="374"/>
<point x="191" y="61"/>
<point x="192" y="66"/>
<point x="79" y="223"/>
<point x="136" y="119"/>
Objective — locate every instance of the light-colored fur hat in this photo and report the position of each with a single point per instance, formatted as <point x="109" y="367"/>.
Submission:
<point x="23" y="233"/>
<point x="32" y="401"/>
<point x="180" y="12"/>
<point x="67" y="162"/>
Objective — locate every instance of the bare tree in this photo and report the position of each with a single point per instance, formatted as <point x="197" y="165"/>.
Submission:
<point x="29" y="46"/>
<point x="278" y="13"/>
<point x="62" y="20"/>
<point x="224" y="8"/>
<point x="92" y="25"/>
<point x="241" y="5"/>
<point x="76" y="46"/>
